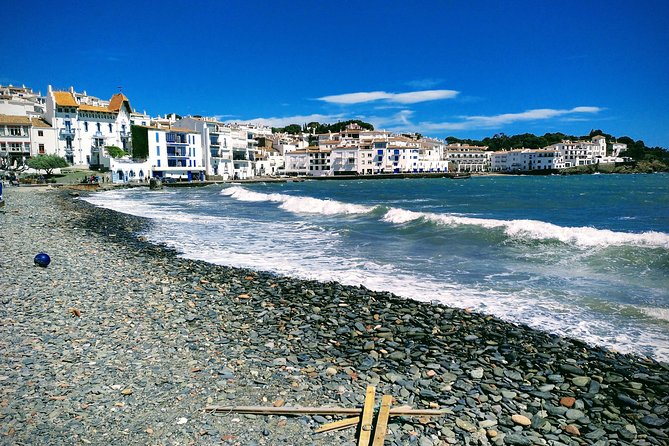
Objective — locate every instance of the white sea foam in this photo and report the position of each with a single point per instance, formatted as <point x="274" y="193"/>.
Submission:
<point x="298" y="204"/>
<point x="656" y="313"/>
<point x="538" y="230"/>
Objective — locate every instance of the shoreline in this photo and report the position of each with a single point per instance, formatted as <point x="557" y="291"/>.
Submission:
<point x="160" y="337"/>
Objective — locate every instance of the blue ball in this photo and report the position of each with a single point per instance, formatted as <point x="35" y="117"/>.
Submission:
<point x="42" y="259"/>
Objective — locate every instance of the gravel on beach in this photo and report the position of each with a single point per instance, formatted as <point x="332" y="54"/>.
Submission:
<point x="121" y="341"/>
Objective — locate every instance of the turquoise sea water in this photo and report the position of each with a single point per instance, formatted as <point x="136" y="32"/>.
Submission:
<point x="584" y="256"/>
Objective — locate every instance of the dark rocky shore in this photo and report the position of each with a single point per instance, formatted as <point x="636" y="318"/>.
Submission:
<point x="120" y="341"/>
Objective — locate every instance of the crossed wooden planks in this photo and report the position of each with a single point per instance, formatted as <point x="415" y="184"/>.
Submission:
<point x="363" y="417"/>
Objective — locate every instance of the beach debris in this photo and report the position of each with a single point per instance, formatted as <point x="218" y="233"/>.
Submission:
<point x="362" y="417"/>
<point x="74" y="311"/>
<point x="42" y="259"/>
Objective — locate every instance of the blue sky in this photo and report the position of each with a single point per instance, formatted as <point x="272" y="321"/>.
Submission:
<point x="469" y="69"/>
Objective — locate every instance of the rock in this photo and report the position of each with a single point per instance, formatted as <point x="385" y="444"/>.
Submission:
<point x="572" y="369"/>
<point x="626" y="400"/>
<point x="572" y="429"/>
<point x="521" y="420"/>
<point x="517" y="439"/>
<point x="595" y="434"/>
<point x="574" y="414"/>
<point x="331" y="371"/>
<point x="397" y="356"/>
<point x="567" y="401"/>
<point x="279" y="362"/>
<point x="182" y="420"/>
<point x="476" y="373"/>
<point x="653" y="421"/>
<point x="581" y="381"/>
<point x="465" y="425"/>
<point x="628" y="432"/>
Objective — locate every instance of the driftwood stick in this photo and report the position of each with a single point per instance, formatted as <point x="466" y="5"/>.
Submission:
<point x="398" y="411"/>
<point x="338" y="425"/>
<point x="382" y="421"/>
<point x="367" y="415"/>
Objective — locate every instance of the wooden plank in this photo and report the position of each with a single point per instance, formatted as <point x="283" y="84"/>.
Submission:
<point x="338" y="425"/>
<point x="398" y="411"/>
<point x="382" y="421"/>
<point x="367" y="416"/>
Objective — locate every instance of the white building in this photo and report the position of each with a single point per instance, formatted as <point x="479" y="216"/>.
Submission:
<point x="86" y="124"/>
<point x="22" y="137"/>
<point x="581" y="153"/>
<point x="525" y="160"/>
<point x="21" y="101"/>
<point x="467" y="158"/>
<point x="617" y="148"/>
<point x="172" y="153"/>
<point x="297" y="162"/>
<point x="347" y="161"/>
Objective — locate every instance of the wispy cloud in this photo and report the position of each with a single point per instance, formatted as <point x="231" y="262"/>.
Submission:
<point x="400" y="121"/>
<point x="287" y="120"/>
<point x="411" y="97"/>
<point x="496" y="121"/>
<point x="424" y="83"/>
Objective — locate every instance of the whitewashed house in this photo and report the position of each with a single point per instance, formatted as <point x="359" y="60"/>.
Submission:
<point x="467" y="158"/>
<point x="171" y="153"/>
<point x="86" y="124"/>
<point x="581" y="153"/>
<point x="22" y="137"/>
<point x="21" y="101"/>
<point x="525" y="160"/>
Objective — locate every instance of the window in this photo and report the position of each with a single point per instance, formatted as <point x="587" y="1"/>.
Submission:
<point x="15" y="131"/>
<point x="41" y="149"/>
<point x="86" y="126"/>
<point x="157" y="137"/>
<point x="40" y="133"/>
<point x="158" y="165"/>
<point x="157" y="149"/>
<point x="110" y="128"/>
<point x="97" y="124"/>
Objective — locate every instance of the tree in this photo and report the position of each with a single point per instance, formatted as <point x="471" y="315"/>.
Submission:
<point x="47" y="163"/>
<point x="115" y="152"/>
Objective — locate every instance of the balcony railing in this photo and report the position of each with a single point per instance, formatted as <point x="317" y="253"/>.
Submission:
<point x="64" y="133"/>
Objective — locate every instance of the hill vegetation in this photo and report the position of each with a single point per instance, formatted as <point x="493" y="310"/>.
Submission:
<point x="647" y="159"/>
<point x="317" y="127"/>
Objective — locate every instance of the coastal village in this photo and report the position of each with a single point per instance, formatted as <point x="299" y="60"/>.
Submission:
<point x="124" y="341"/>
<point x="88" y="131"/>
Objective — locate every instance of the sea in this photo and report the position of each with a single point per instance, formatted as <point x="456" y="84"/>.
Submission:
<point x="584" y="256"/>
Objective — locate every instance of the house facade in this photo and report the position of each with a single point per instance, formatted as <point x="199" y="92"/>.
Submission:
<point x="85" y="124"/>
<point x="22" y="137"/>
<point x="525" y="160"/>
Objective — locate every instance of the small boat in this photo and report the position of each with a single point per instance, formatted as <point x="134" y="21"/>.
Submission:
<point x="460" y="176"/>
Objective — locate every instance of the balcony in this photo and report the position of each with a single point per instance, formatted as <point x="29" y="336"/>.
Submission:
<point x="67" y="132"/>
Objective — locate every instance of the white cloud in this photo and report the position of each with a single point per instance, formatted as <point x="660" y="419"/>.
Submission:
<point x="287" y="120"/>
<point x="412" y="97"/>
<point x="495" y="121"/>
<point x="400" y="121"/>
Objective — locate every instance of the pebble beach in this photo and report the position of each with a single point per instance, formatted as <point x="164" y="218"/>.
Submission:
<point x="122" y="341"/>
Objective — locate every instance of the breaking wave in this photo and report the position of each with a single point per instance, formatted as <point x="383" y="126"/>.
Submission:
<point x="298" y="204"/>
<point x="581" y="236"/>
